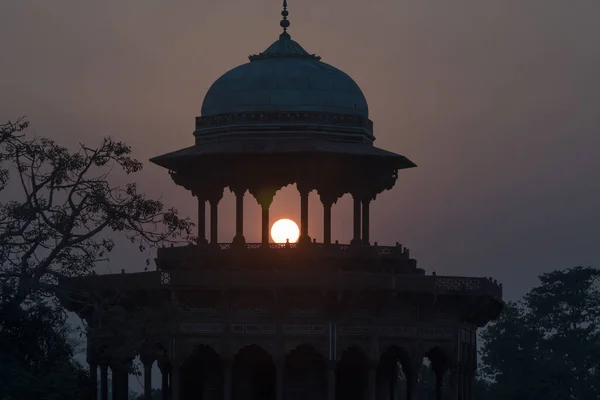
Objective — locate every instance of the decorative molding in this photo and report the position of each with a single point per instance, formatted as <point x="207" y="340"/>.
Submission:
<point x="252" y="329"/>
<point x="292" y="329"/>
<point x="200" y="310"/>
<point x="437" y="333"/>
<point x="458" y="284"/>
<point x="200" y="328"/>
<point x="315" y="117"/>
<point x="399" y="331"/>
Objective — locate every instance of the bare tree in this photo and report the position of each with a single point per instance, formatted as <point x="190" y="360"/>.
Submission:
<point x="59" y="212"/>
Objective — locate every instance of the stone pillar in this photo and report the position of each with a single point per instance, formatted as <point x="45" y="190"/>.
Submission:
<point x="304" y="238"/>
<point x="175" y="382"/>
<point x="124" y="383"/>
<point x="356" y="239"/>
<point x="439" y="382"/>
<point x="412" y="379"/>
<point x="372" y="381"/>
<point x="228" y="380"/>
<point x="165" y="371"/>
<point x="148" y="378"/>
<point x="394" y="383"/>
<point x="239" y="239"/>
<point x="454" y="378"/>
<point x="265" y="225"/>
<point x="94" y="380"/>
<point x="327" y="223"/>
<point x="214" y="223"/>
<point x="365" y="222"/>
<point x="331" y="378"/>
<point x="115" y="383"/>
<point x="201" y="220"/>
<point x="279" y="386"/>
<point x="103" y="381"/>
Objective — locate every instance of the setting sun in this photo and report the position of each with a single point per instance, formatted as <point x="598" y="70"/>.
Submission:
<point x="285" y="229"/>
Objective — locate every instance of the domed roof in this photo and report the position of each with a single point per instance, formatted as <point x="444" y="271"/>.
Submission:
<point x="285" y="78"/>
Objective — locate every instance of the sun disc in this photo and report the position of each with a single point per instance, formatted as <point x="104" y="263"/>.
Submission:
<point x="285" y="229"/>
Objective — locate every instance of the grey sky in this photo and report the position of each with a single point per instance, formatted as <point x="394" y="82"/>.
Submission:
<point x="496" y="101"/>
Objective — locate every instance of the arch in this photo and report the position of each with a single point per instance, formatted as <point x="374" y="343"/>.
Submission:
<point x="318" y="346"/>
<point x="352" y="374"/>
<point x="346" y="344"/>
<point x="437" y="380"/>
<point x="305" y="374"/>
<point x="201" y="375"/>
<point x="254" y="373"/>
<point x="394" y="371"/>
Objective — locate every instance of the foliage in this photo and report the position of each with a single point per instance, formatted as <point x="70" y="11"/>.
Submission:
<point x="548" y="345"/>
<point x="59" y="218"/>
<point x="36" y="360"/>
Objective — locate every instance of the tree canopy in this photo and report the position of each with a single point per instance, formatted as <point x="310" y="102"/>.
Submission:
<point x="547" y="346"/>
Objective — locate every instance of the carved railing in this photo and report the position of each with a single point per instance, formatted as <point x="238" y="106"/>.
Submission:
<point x="397" y="250"/>
<point x="225" y="279"/>
<point x="329" y="281"/>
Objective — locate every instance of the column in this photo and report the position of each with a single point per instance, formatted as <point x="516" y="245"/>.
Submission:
<point x="412" y="378"/>
<point x="372" y="381"/>
<point x="265" y="224"/>
<point x="124" y="383"/>
<point x="327" y="223"/>
<point x="175" y="386"/>
<point x="264" y="197"/>
<point x="239" y="217"/>
<point x="461" y="382"/>
<point x="365" y="222"/>
<point x="439" y="382"/>
<point x="214" y="223"/>
<point x="280" y="366"/>
<point x="164" y="388"/>
<point x="356" y="239"/>
<point x="227" y="381"/>
<point x="94" y="380"/>
<point x="394" y="383"/>
<point x="115" y="382"/>
<point x="148" y="378"/>
<point x="331" y="380"/>
<point x="304" y="238"/>
<point x="454" y="376"/>
<point x="103" y="382"/>
<point x="201" y="220"/>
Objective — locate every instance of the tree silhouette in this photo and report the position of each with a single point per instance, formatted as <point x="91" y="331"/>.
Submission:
<point x="59" y="216"/>
<point x="547" y="346"/>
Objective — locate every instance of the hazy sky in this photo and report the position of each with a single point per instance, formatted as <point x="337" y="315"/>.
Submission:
<point x="496" y="101"/>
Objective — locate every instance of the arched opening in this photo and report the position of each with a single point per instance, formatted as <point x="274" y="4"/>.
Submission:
<point x="352" y="375"/>
<point x="305" y="375"/>
<point x="202" y="375"/>
<point x="392" y="373"/>
<point x="254" y="374"/>
<point x="436" y="379"/>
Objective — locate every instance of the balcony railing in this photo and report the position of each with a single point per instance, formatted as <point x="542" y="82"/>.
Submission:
<point x="320" y="280"/>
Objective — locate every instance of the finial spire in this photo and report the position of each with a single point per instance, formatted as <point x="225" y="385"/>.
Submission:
<point x="284" y="22"/>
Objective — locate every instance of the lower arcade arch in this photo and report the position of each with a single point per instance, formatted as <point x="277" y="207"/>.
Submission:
<point x="392" y="374"/>
<point x="305" y="374"/>
<point x="435" y="379"/>
<point x="254" y="374"/>
<point x="352" y="375"/>
<point x="202" y="375"/>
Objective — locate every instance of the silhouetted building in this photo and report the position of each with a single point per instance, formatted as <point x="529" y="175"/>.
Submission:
<point x="292" y="321"/>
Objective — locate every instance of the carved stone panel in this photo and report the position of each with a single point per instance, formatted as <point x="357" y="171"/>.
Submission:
<point x="293" y="329"/>
<point x="201" y="328"/>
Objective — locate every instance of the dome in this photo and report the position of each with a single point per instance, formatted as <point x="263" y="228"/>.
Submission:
<point x="285" y="78"/>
